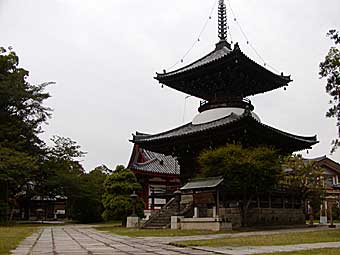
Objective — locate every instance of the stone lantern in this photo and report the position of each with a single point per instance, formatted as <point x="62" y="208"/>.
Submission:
<point x="133" y="220"/>
<point x="134" y="203"/>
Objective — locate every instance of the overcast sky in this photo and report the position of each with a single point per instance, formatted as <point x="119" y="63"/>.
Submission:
<point x="103" y="56"/>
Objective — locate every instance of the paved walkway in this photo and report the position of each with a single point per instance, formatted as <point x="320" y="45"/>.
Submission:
<point x="78" y="240"/>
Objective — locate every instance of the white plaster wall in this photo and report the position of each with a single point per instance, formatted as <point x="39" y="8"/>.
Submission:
<point x="218" y="113"/>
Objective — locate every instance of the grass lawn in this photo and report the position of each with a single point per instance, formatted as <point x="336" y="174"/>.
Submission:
<point x="333" y="251"/>
<point x="11" y="236"/>
<point x="277" y="239"/>
<point x="132" y="232"/>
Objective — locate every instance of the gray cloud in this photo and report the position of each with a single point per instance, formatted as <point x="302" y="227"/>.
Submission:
<point x="104" y="54"/>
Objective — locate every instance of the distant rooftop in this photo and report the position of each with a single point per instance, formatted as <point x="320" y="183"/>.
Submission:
<point x="153" y="162"/>
<point x="203" y="183"/>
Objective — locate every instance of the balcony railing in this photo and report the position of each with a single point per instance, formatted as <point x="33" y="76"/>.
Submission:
<point x="227" y="102"/>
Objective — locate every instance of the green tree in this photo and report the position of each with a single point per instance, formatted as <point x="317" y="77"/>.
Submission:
<point x="330" y="69"/>
<point x="21" y="115"/>
<point x="63" y="173"/>
<point x="118" y="187"/>
<point x="88" y="206"/>
<point x="307" y="178"/>
<point x="246" y="171"/>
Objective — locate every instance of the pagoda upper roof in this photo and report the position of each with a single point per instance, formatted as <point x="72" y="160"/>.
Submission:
<point x="223" y="73"/>
<point x="233" y="128"/>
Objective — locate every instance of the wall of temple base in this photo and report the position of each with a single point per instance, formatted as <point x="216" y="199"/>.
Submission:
<point x="231" y="215"/>
<point x="212" y="224"/>
<point x="276" y="216"/>
<point x="264" y="216"/>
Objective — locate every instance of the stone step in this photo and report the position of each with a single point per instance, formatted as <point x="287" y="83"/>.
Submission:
<point x="157" y="224"/>
<point x="163" y="218"/>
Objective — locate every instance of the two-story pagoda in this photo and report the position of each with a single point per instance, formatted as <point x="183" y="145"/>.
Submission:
<point x="223" y="79"/>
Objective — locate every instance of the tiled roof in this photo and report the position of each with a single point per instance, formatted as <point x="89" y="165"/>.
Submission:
<point x="325" y="161"/>
<point x="190" y="129"/>
<point x="187" y="129"/>
<point x="203" y="183"/>
<point x="316" y="159"/>
<point x="226" y="71"/>
<point x="155" y="163"/>
<point x="211" y="57"/>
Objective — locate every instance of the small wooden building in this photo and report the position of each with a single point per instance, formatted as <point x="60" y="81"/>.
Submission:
<point x="281" y="206"/>
<point x="331" y="182"/>
<point x="158" y="174"/>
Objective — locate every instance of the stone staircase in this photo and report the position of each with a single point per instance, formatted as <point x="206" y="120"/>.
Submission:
<point x="162" y="218"/>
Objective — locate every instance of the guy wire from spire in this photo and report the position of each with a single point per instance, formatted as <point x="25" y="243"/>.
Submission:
<point x="247" y="40"/>
<point x="198" y="39"/>
<point x="222" y="20"/>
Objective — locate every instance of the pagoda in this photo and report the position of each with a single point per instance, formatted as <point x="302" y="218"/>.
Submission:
<point x="223" y="79"/>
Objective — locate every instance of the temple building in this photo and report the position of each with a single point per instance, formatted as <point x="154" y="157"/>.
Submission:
<point x="331" y="184"/>
<point x="158" y="175"/>
<point x="223" y="80"/>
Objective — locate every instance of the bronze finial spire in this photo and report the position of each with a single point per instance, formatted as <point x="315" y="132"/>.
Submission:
<point x="222" y="21"/>
<point x="222" y="26"/>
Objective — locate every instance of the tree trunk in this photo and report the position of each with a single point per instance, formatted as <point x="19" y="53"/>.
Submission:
<point x="14" y="203"/>
<point x="244" y="210"/>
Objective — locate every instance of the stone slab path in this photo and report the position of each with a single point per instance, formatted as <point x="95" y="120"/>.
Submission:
<point x="72" y="240"/>
<point x="79" y="240"/>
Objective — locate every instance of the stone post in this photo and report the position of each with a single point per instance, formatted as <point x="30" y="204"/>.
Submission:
<point x="323" y="213"/>
<point x="195" y="212"/>
<point x="178" y="201"/>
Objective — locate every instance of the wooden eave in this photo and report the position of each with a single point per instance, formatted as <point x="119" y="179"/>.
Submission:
<point x="233" y="74"/>
<point x="246" y="130"/>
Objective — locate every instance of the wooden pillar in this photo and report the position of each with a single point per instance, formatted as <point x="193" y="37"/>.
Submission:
<point x="193" y="205"/>
<point x="270" y="200"/>
<point x="152" y="198"/>
<point x="217" y="202"/>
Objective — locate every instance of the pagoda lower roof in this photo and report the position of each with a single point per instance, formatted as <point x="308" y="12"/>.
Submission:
<point x="223" y="73"/>
<point x="234" y="128"/>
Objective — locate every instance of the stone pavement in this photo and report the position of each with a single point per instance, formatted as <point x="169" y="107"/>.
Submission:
<point x="78" y="240"/>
